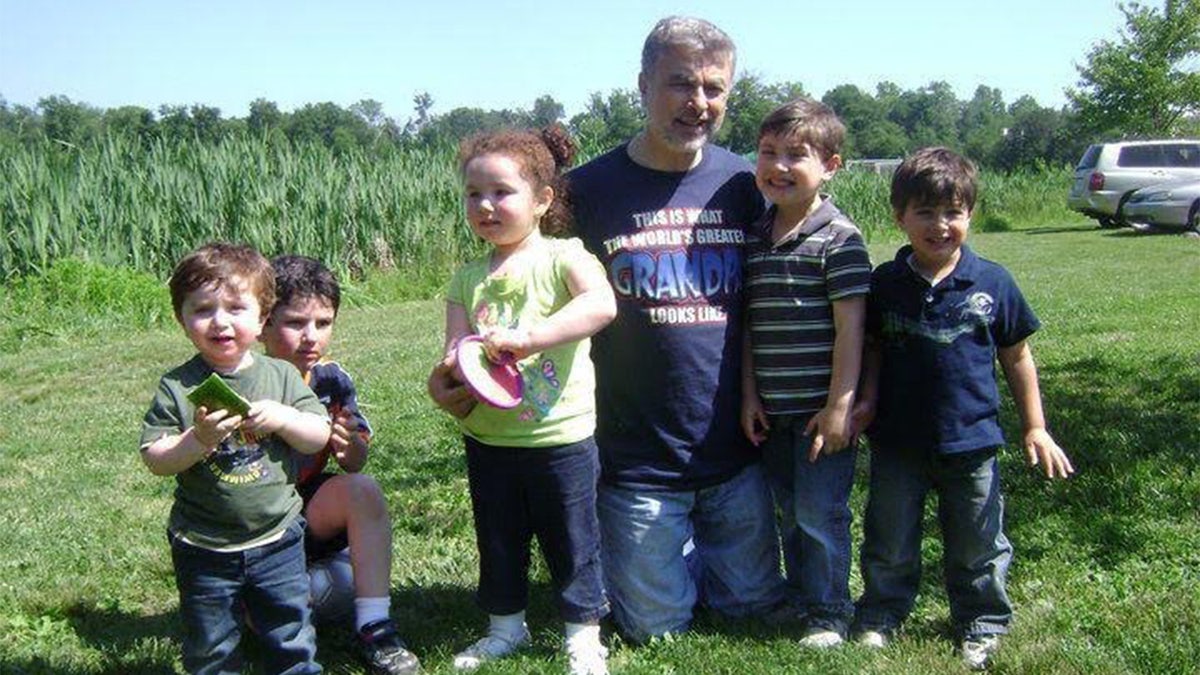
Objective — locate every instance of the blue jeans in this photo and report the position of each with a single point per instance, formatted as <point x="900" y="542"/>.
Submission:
<point x="971" y="514"/>
<point x="814" y="503"/>
<point x="652" y="586"/>
<point x="517" y="493"/>
<point x="270" y="582"/>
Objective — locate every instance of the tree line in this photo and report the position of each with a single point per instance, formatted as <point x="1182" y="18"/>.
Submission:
<point x="1144" y="84"/>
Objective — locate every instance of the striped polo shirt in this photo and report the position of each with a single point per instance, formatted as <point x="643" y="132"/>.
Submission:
<point x="790" y="288"/>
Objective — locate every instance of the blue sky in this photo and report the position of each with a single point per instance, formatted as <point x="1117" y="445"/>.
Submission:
<point x="498" y="54"/>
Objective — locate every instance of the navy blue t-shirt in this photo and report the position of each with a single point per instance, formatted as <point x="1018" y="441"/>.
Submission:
<point x="335" y="389"/>
<point x="668" y="368"/>
<point x="937" y="387"/>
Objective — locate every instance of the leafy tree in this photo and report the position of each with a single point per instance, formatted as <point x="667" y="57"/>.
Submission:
<point x="370" y="111"/>
<point x="546" y="111"/>
<point x="608" y="122"/>
<point x="19" y="123"/>
<point x="750" y="101"/>
<point x="1038" y="136"/>
<point x="929" y="115"/>
<point x="131" y="121"/>
<point x="68" y="122"/>
<point x="462" y="122"/>
<point x="264" y="117"/>
<point x="206" y="123"/>
<point x="174" y="123"/>
<point x="422" y="104"/>
<point x="869" y="134"/>
<point x="328" y="124"/>
<point x="1145" y="83"/>
<point x="982" y="124"/>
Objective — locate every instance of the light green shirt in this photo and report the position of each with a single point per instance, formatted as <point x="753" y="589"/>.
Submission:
<point x="559" y="404"/>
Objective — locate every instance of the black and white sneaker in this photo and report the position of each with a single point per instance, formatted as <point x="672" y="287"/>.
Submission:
<point x="383" y="650"/>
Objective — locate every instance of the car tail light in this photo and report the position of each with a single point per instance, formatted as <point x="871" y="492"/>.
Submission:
<point x="1096" y="181"/>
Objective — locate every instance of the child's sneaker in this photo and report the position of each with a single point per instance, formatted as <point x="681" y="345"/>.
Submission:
<point x="977" y="650"/>
<point x="820" y="637"/>
<point x="872" y="638"/>
<point x="488" y="648"/>
<point x="384" y="652"/>
<point x="587" y="657"/>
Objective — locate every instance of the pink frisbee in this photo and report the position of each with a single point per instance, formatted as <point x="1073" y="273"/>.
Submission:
<point x="496" y="384"/>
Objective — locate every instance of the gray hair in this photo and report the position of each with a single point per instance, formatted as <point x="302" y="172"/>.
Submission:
<point x="690" y="33"/>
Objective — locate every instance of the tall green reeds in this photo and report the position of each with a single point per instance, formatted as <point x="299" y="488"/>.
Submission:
<point x="124" y="204"/>
<point x="121" y="203"/>
<point x="1018" y="200"/>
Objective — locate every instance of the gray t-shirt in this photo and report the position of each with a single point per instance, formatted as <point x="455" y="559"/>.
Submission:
<point x="244" y="491"/>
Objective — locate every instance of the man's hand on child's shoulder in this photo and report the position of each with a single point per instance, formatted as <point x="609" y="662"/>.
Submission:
<point x="1040" y="448"/>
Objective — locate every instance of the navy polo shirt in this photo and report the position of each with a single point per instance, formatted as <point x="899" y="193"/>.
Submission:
<point x="937" y="387"/>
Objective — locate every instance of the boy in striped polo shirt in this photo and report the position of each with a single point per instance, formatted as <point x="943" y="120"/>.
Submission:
<point x="807" y="279"/>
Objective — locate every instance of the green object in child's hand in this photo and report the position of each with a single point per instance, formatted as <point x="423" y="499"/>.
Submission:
<point x="214" y="394"/>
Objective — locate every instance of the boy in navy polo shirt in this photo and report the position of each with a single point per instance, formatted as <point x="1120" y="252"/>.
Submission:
<point x="938" y="318"/>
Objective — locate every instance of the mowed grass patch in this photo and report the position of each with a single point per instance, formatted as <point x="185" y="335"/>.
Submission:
<point x="1104" y="579"/>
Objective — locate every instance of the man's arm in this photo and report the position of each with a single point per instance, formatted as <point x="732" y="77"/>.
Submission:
<point x="754" y="418"/>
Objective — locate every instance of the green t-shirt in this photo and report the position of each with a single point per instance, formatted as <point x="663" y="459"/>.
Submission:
<point x="244" y="491"/>
<point x="559" y="403"/>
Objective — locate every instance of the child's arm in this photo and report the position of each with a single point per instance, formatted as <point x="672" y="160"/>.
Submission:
<point x="305" y="432"/>
<point x="349" y="441"/>
<point x="176" y="453"/>
<point x="446" y="390"/>
<point x="1021" y="373"/>
<point x="863" y="412"/>
<point x="830" y="427"/>
<point x="754" y="416"/>
<point x="591" y="307"/>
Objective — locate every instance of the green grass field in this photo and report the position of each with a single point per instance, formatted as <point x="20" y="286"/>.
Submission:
<point x="1107" y="571"/>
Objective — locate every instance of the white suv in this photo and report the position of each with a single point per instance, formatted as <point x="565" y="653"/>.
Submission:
<point x="1108" y="173"/>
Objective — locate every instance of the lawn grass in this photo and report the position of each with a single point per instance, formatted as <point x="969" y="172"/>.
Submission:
<point x="1107" y="571"/>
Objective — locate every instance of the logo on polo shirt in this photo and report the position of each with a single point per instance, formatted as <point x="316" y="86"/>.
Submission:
<point x="979" y="305"/>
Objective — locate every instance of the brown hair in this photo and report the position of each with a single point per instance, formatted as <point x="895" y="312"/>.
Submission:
<point x="222" y="264"/>
<point x="809" y="121"/>
<point x="301" y="277"/>
<point x="932" y="176"/>
<point x="542" y="156"/>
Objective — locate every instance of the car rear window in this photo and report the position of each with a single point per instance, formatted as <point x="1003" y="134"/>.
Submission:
<point x="1090" y="157"/>
<point x="1160" y="155"/>
<point x="1183" y="155"/>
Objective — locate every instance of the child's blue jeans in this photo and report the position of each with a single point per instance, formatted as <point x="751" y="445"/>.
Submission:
<point x="550" y="493"/>
<point x="814" y="503"/>
<point x="971" y="514"/>
<point x="268" y="583"/>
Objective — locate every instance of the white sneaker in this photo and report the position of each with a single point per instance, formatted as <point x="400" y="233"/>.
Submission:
<point x="977" y="651"/>
<point x="821" y="638"/>
<point x="488" y="648"/>
<point x="588" y="658"/>
<point x="872" y="638"/>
